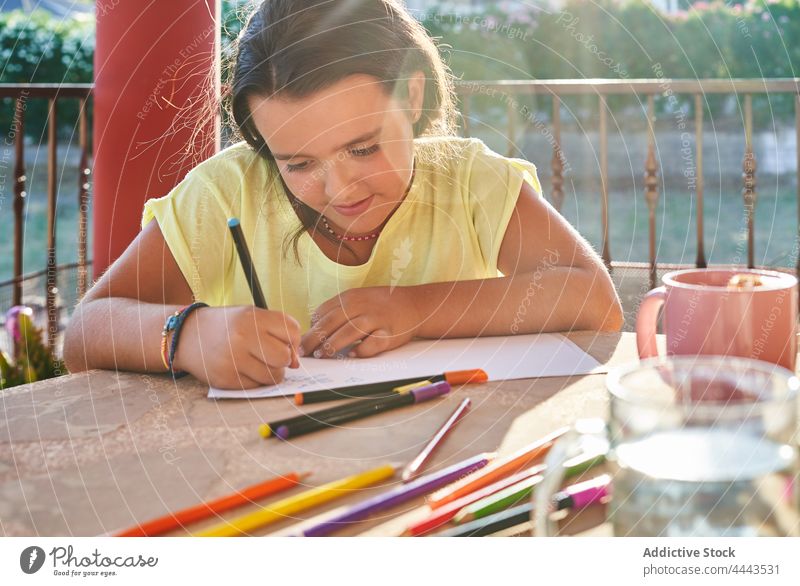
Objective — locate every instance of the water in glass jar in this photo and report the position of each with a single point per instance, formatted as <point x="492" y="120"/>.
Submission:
<point x="705" y="483"/>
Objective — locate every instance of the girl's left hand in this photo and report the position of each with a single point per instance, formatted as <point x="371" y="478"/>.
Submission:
<point x="382" y="318"/>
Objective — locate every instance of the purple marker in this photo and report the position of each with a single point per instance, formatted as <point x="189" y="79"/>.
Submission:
<point x="420" y="486"/>
<point x="358" y="410"/>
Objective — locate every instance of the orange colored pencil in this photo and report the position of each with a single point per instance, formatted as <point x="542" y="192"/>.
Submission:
<point x="442" y="515"/>
<point x="204" y="510"/>
<point x="497" y="470"/>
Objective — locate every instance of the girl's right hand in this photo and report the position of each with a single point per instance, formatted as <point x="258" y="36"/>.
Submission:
<point x="238" y="347"/>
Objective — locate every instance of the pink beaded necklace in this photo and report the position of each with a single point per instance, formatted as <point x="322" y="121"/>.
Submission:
<point x="345" y="237"/>
<point x="363" y="237"/>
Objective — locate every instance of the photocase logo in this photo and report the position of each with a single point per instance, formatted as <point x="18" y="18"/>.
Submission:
<point x="31" y="559"/>
<point x="402" y="256"/>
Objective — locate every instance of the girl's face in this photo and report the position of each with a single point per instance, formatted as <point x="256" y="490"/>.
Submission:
<point x="345" y="151"/>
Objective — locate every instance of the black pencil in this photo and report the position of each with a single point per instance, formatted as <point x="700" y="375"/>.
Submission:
<point x="247" y="263"/>
<point x="250" y="272"/>
<point x="492" y="524"/>
<point x="268" y="429"/>
<point x="361" y="409"/>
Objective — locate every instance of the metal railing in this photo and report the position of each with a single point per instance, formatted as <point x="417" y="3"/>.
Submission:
<point x="53" y="93"/>
<point x="508" y="90"/>
<point x="649" y="89"/>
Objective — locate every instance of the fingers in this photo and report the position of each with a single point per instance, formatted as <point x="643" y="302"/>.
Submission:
<point x="283" y="329"/>
<point x="245" y="347"/>
<point x="271" y="351"/>
<point x="317" y="337"/>
<point x="241" y="382"/>
<point x="347" y="335"/>
<point x="252" y="375"/>
<point x="261" y="374"/>
<point x="242" y="370"/>
<point x="332" y="315"/>
<point x="377" y="342"/>
<point x="280" y="325"/>
<point x="371" y="343"/>
<point x="330" y="305"/>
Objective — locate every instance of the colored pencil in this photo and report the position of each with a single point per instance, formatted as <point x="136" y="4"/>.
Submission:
<point x="455" y="378"/>
<point x="268" y="430"/>
<point x="283" y="508"/>
<point x="445" y="513"/>
<point x="577" y="496"/>
<point x="415" y="465"/>
<point x="422" y="485"/>
<point x="442" y="515"/>
<point x="582" y="494"/>
<point x="500" y="468"/>
<point x="522" y="490"/>
<point x="247" y="263"/>
<point x="492" y="524"/>
<point x="360" y="410"/>
<point x="499" y="501"/>
<point x="184" y="517"/>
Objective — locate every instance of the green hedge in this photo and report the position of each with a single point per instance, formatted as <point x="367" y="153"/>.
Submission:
<point x="601" y="38"/>
<point x="710" y="40"/>
<point x="628" y="39"/>
<point x="40" y="48"/>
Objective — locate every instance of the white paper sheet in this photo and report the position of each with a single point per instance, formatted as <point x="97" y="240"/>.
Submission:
<point x="503" y="358"/>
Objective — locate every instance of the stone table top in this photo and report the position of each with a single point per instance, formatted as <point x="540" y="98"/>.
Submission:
<point x="99" y="451"/>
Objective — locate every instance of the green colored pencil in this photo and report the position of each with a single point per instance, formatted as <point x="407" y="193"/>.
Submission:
<point x="513" y="495"/>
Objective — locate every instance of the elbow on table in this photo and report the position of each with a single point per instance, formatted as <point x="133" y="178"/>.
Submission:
<point x="606" y="313"/>
<point x="613" y="318"/>
<point x="74" y="348"/>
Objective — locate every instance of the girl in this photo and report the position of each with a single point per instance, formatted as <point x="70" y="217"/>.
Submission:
<point x="368" y="222"/>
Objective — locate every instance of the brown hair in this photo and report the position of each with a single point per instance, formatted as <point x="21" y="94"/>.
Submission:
<point x="298" y="47"/>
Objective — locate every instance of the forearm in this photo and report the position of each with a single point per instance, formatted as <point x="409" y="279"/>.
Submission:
<point x="116" y="333"/>
<point x="554" y="299"/>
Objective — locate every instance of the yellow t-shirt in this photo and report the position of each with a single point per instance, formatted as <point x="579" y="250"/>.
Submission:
<point x="449" y="227"/>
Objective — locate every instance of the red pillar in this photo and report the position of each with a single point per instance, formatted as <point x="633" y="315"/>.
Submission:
<point x="153" y="60"/>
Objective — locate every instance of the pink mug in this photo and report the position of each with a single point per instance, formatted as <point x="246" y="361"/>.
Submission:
<point x="705" y="313"/>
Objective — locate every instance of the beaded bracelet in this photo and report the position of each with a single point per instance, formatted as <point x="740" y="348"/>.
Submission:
<point x="176" y="325"/>
<point x="169" y="326"/>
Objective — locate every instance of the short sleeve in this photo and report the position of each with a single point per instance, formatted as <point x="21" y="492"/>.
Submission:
<point x="193" y="222"/>
<point x="494" y="183"/>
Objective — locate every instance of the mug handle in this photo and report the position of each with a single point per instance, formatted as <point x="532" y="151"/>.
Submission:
<point x="647" y="322"/>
